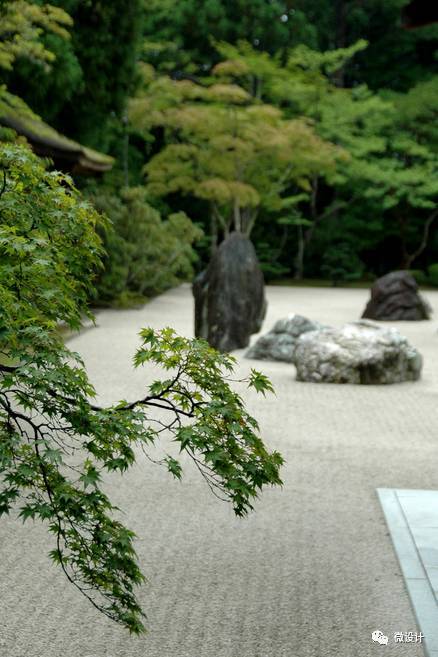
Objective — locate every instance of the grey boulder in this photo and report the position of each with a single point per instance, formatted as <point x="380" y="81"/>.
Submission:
<point x="279" y="343"/>
<point x="360" y="352"/>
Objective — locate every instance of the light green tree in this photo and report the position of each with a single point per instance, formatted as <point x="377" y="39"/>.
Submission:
<point x="225" y="147"/>
<point x="390" y="141"/>
<point x="22" y="26"/>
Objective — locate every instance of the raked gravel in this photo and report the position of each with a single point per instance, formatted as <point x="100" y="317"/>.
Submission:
<point x="310" y="574"/>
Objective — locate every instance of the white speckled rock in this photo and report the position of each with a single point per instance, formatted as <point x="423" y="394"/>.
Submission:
<point x="279" y="343"/>
<point x="360" y="352"/>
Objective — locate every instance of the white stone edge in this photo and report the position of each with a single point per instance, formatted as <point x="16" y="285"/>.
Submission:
<point x="422" y="597"/>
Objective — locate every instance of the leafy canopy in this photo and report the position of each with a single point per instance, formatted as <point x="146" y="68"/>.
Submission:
<point x="225" y="147"/>
<point x="21" y="27"/>
<point x="145" y="253"/>
<point x="388" y="179"/>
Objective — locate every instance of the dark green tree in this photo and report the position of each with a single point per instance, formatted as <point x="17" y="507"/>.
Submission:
<point x="185" y="30"/>
<point x="91" y="75"/>
<point x="396" y="58"/>
<point x="184" y="33"/>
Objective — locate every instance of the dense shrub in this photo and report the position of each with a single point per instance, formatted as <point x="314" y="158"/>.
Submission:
<point x="341" y="264"/>
<point x="145" y="254"/>
<point x="433" y="274"/>
<point x="420" y="276"/>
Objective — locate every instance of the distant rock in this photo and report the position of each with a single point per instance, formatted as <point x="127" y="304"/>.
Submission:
<point x="279" y="343"/>
<point x="360" y="352"/>
<point x="396" y="297"/>
<point x="229" y="296"/>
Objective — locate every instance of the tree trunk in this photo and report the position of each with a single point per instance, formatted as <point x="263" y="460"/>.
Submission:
<point x="299" y="258"/>
<point x="341" y="37"/>
<point x="409" y="258"/>
<point x="249" y="217"/>
<point x="257" y="87"/>
<point x="237" y="217"/>
<point x="220" y="227"/>
<point x="125" y="155"/>
<point x="304" y="237"/>
<point x="214" y="233"/>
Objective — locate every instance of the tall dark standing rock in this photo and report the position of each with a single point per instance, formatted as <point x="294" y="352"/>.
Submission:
<point x="229" y="296"/>
<point x="396" y="297"/>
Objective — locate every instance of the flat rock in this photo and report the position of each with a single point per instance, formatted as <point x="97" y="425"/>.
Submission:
<point x="279" y="343"/>
<point x="360" y="352"/>
<point x="395" y="296"/>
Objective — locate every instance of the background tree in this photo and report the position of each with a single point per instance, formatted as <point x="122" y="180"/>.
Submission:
<point x="92" y="74"/>
<point x="303" y="60"/>
<point x="187" y="30"/>
<point x="391" y="163"/>
<point x="226" y="148"/>
<point x="396" y="58"/>
<point x="23" y="24"/>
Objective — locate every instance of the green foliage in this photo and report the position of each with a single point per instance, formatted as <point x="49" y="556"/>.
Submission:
<point x="33" y="82"/>
<point x="183" y="31"/>
<point x="396" y="58"/>
<point x="145" y="254"/>
<point x="181" y="35"/>
<point x="390" y="141"/>
<point x="340" y="263"/>
<point x="432" y="271"/>
<point x="56" y="445"/>
<point x="420" y="276"/>
<point x="91" y="75"/>
<point x="226" y="148"/>
<point x="105" y="41"/>
<point x="21" y="28"/>
<point x="48" y="242"/>
<point x="240" y="90"/>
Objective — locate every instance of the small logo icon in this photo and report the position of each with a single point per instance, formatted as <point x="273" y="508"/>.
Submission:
<point x="378" y="637"/>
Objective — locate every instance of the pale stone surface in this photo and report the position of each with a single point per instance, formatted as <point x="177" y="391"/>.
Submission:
<point x="360" y="352"/>
<point x="279" y="343"/>
<point x="412" y="518"/>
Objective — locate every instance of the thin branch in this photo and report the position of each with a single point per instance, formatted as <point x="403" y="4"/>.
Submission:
<point x="2" y="191"/>
<point x="425" y="238"/>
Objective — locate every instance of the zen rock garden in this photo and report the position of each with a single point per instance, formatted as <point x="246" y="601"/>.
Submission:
<point x="230" y="306"/>
<point x="360" y="352"/>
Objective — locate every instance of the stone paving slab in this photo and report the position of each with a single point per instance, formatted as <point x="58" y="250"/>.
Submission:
<point x="412" y="518"/>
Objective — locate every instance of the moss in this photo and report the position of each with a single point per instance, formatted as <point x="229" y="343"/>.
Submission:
<point x="15" y="114"/>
